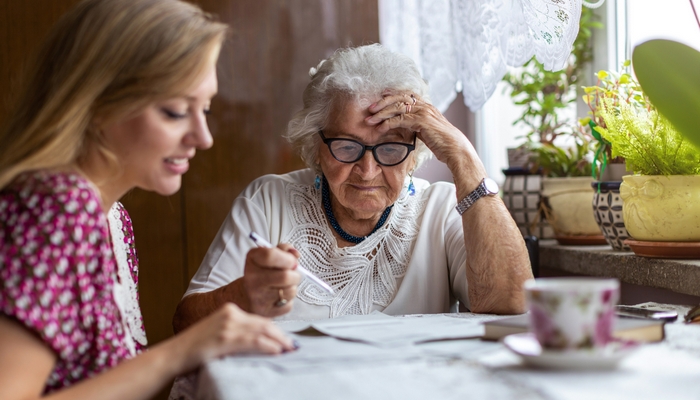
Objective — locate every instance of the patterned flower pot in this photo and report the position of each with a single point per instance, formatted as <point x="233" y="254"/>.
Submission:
<point x="662" y="208"/>
<point x="521" y="194"/>
<point x="607" y="210"/>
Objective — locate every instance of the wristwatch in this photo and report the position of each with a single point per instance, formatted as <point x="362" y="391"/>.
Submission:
<point x="487" y="187"/>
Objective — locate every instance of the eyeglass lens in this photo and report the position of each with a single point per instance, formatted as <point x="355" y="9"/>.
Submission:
<point x="351" y="151"/>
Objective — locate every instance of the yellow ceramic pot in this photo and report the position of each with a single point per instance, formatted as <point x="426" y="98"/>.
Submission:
<point x="570" y="200"/>
<point x="661" y="208"/>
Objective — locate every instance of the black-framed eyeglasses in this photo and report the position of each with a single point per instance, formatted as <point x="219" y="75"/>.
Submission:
<point x="387" y="154"/>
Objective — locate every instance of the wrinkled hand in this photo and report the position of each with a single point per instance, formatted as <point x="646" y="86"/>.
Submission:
<point x="408" y="111"/>
<point x="228" y="331"/>
<point x="270" y="281"/>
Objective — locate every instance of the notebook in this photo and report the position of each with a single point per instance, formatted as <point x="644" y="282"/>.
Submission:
<point x="641" y="330"/>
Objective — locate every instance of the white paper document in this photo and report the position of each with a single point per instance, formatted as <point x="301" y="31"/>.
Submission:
<point x="358" y="341"/>
<point x="383" y="330"/>
<point x="322" y="353"/>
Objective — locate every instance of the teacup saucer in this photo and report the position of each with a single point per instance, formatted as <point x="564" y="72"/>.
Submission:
<point x="528" y="348"/>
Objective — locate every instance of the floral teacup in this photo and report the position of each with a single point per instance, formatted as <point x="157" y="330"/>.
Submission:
<point x="572" y="313"/>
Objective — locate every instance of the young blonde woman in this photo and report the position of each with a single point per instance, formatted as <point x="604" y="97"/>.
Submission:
<point x="117" y="100"/>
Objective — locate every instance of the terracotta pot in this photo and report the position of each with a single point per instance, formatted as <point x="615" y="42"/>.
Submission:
<point x="607" y="211"/>
<point x="569" y="202"/>
<point x="662" y="208"/>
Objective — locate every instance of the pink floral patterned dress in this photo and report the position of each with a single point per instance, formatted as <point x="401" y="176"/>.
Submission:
<point x="59" y="276"/>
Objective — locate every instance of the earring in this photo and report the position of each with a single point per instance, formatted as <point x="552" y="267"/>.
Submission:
<point x="317" y="182"/>
<point x="411" y="186"/>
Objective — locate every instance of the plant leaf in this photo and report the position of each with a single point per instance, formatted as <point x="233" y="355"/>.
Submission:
<point x="669" y="73"/>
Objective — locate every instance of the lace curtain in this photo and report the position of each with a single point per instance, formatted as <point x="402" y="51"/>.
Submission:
<point x="467" y="45"/>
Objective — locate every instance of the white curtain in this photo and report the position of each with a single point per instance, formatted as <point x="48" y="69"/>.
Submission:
<point x="467" y="45"/>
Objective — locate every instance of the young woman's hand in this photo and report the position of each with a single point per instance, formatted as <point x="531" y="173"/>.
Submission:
<point x="227" y="331"/>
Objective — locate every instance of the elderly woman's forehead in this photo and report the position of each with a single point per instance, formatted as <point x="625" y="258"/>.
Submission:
<point x="401" y="133"/>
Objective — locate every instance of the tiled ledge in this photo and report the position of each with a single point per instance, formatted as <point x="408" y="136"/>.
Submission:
<point x="681" y="276"/>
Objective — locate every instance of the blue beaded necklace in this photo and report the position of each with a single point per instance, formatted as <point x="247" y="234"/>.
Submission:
<point x="336" y="226"/>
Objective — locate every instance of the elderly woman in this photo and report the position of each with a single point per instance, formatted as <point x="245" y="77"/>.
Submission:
<point x="358" y="219"/>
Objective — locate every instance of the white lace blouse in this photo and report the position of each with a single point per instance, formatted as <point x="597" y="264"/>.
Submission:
<point x="415" y="263"/>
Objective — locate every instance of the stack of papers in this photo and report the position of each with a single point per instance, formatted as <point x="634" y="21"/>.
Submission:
<point x="368" y="339"/>
<point x="382" y="330"/>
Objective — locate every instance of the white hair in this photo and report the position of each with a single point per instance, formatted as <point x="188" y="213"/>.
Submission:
<point x="359" y="74"/>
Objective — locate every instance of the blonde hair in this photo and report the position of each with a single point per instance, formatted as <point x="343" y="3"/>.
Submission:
<point x="103" y="60"/>
<point x="356" y="74"/>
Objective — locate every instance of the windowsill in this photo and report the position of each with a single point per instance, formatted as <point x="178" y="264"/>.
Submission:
<point x="680" y="276"/>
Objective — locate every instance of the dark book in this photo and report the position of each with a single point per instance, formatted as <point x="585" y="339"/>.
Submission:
<point x="641" y="330"/>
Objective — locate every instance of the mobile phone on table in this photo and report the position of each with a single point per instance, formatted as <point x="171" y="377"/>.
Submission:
<point x="638" y="312"/>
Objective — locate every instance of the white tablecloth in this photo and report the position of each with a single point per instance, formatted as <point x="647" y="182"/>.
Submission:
<point x="467" y="369"/>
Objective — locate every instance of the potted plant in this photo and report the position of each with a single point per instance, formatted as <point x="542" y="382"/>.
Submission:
<point x="544" y="95"/>
<point x="611" y="89"/>
<point x="661" y="201"/>
<point x="567" y="192"/>
<point x="617" y="87"/>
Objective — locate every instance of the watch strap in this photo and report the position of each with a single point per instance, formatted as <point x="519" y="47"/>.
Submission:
<point x="472" y="197"/>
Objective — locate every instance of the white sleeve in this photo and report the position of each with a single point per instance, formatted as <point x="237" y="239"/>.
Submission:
<point x="262" y="208"/>
<point x="457" y="259"/>
<point x="225" y="259"/>
<point x="456" y="254"/>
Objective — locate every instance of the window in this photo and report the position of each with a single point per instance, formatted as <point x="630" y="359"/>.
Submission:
<point x="627" y="24"/>
<point x="652" y="19"/>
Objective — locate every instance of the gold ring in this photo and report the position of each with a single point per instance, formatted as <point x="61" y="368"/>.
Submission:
<point x="282" y="301"/>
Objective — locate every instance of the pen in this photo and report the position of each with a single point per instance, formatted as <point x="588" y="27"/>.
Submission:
<point x="260" y="242"/>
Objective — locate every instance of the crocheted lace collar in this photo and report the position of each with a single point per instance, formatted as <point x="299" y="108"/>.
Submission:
<point x="363" y="275"/>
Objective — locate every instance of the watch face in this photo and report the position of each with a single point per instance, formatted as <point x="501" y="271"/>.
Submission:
<point x="491" y="185"/>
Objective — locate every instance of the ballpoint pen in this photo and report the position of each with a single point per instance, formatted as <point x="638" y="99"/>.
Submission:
<point x="260" y="242"/>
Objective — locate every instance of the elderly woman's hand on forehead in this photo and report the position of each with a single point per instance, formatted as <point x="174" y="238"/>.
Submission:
<point x="409" y="111"/>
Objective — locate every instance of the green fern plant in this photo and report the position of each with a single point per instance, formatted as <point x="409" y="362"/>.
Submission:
<point x="646" y="139"/>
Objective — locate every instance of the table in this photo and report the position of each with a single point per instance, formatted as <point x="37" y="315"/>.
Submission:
<point x="467" y="369"/>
